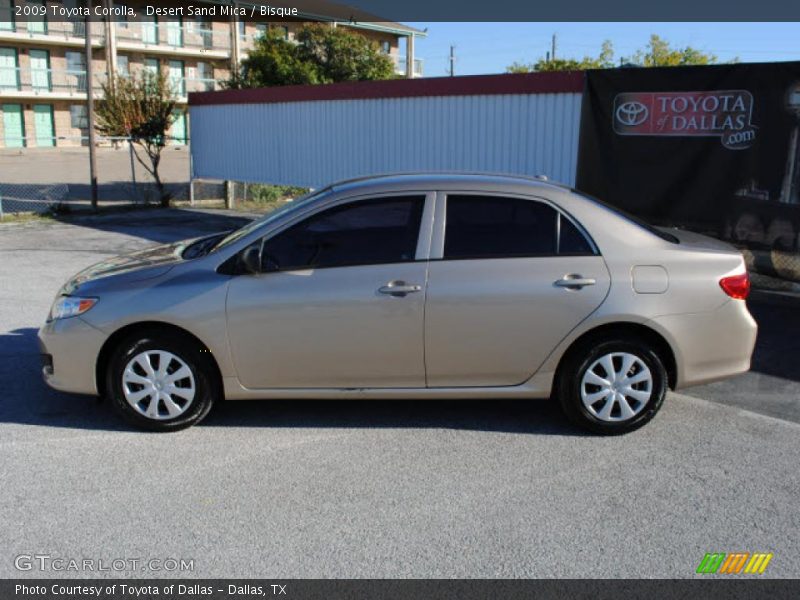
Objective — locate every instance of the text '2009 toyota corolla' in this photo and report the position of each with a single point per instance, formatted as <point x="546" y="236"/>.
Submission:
<point x="410" y="286"/>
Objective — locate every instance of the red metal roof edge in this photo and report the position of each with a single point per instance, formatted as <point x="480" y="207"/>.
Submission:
<point x="514" y="83"/>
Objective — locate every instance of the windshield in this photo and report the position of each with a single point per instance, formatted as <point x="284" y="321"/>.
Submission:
<point x="289" y="207"/>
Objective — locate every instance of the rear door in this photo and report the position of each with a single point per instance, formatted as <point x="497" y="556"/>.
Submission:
<point x="514" y="275"/>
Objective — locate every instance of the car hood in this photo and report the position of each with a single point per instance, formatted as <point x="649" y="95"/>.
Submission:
<point x="136" y="266"/>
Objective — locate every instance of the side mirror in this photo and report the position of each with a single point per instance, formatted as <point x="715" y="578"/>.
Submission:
<point x="251" y="259"/>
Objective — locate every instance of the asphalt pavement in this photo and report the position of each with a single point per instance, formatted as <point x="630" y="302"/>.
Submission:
<point x="380" y="489"/>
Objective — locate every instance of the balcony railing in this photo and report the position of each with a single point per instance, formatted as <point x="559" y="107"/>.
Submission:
<point x="400" y="66"/>
<point x="47" y="81"/>
<point x="53" y="29"/>
<point x="183" y="86"/>
<point x="172" y="35"/>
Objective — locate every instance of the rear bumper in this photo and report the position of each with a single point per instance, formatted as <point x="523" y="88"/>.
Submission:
<point x="711" y="345"/>
<point x="69" y="349"/>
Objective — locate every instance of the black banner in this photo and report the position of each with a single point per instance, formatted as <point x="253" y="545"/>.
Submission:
<point x="455" y="589"/>
<point x="711" y="148"/>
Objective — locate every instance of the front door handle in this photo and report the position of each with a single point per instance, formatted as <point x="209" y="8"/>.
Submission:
<point x="574" y="281"/>
<point x="399" y="289"/>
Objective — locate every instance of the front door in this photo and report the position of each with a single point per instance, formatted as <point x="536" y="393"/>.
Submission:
<point x="339" y="302"/>
<point x="43" y="125"/>
<point x="494" y="310"/>
<point x="40" y="70"/>
<point x="13" y="126"/>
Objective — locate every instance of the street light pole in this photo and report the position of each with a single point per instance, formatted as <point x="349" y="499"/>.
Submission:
<point x="90" y="107"/>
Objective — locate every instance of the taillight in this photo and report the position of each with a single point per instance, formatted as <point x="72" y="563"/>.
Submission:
<point x="736" y="286"/>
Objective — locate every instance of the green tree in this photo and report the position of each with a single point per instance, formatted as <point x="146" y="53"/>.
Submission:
<point x="657" y="53"/>
<point x="319" y="54"/>
<point x="604" y="60"/>
<point x="139" y="107"/>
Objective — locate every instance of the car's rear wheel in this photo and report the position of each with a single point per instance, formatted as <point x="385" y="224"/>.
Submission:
<point x="612" y="387"/>
<point x="161" y="382"/>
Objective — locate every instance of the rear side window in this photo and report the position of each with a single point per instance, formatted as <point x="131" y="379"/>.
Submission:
<point x="571" y="240"/>
<point x="496" y="226"/>
<point x="360" y="233"/>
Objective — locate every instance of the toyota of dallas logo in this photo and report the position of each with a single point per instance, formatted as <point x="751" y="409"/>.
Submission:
<point x="722" y="113"/>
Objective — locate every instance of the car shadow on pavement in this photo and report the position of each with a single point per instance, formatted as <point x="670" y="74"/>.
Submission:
<point x="778" y="343"/>
<point x="161" y="225"/>
<point x="27" y="400"/>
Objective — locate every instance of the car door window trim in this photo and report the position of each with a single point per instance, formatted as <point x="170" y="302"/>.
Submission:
<point x="440" y="227"/>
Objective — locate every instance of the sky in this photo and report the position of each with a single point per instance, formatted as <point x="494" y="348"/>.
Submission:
<point x="491" y="47"/>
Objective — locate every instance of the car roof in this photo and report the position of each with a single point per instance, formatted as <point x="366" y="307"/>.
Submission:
<point x="445" y="179"/>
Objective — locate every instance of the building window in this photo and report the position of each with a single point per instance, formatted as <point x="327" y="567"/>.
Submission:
<point x="9" y="69"/>
<point x="176" y="77"/>
<point x="261" y="30"/>
<point x="7" y="16"/>
<point x="386" y="47"/>
<point x="78" y="117"/>
<point x="122" y="22"/>
<point x="37" y="22"/>
<point x="151" y="66"/>
<point x="76" y="71"/>
<point x="205" y="76"/>
<point x="149" y="29"/>
<point x="123" y="66"/>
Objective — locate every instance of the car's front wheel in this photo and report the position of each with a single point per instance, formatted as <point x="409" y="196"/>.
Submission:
<point x="161" y="382"/>
<point x="612" y="387"/>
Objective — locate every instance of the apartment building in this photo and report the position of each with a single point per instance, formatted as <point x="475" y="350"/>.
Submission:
<point x="43" y="84"/>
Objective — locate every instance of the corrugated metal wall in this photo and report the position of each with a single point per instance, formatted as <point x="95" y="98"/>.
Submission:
<point x="312" y="143"/>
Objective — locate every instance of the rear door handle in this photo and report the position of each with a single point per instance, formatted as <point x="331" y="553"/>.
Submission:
<point x="399" y="289"/>
<point x="574" y="282"/>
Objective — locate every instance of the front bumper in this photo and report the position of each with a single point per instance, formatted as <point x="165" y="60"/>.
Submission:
<point x="69" y="349"/>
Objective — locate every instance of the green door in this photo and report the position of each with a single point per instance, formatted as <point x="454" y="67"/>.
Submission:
<point x="40" y="70"/>
<point x="178" y="133"/>
<point x="43" y="125"/>
<point x="13" y="126"/>
<point x="9" y="73"/>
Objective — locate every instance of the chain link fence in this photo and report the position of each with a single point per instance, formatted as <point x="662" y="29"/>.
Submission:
<point x="31" y="198"/>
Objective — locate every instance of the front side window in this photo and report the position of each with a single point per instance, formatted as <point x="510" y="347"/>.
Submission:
<point x="379" y="231"/>
<point x="502" y="227"/>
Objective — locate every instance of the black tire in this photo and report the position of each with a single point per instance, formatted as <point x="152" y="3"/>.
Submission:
<point x="207" y="387"/>
<point x="572" y="371"/>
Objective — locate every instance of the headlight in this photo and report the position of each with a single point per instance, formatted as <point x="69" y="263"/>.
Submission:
<point x="70" y="306"/>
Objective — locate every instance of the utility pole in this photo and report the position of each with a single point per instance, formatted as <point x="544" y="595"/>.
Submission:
<point x="452" y="60"/>
<point x="553" y="48"/>
<point x="90" y="107"/>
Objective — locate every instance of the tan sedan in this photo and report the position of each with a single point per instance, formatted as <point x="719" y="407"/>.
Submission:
<point x="409" y="286"/>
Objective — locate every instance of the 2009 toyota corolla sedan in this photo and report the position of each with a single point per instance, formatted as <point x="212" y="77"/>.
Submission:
<point x="409" y="286"/>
